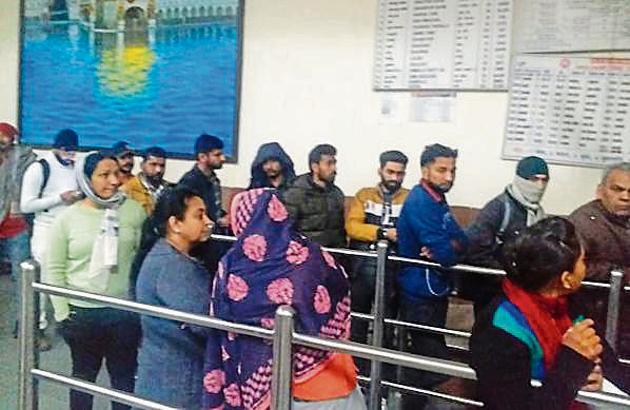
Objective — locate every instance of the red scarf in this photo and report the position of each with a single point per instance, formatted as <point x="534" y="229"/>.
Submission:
<point x="549" y="319"/>
<point x="547" y="316"/>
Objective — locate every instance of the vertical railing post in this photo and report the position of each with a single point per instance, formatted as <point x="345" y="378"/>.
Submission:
<point x="282" y="359"/>
<point x="29" y="355"/>
<point x="614" y="298"/>
<point x="379" y="323"/>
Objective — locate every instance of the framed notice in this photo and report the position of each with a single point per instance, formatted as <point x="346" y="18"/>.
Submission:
<point x="569" y="110"/>
<point x="442" y="44"/>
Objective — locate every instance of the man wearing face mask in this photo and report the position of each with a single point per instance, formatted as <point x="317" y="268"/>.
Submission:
<point x="604" y="225"/>
<point x="500" y="220"/>
<point x="426" y="228"/>
<point x="372" y="217"/>
<point x="125" y="158"/>
<point x="49" y="186"/>
<point x="148" y="185"/>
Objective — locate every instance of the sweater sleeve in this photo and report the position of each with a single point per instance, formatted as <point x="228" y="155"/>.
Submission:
<point x="503" y="371"/>
<point x="482" y="235"/>
<point x="32" y="182"/>
<point x="56" y="266"/>
<point x="187" y="290"/>
<point x="428" y="225"/>
<point x="355" y="221"/>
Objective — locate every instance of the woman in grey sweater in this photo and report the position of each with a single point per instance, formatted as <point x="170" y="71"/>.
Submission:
<point x="170" y="362"/>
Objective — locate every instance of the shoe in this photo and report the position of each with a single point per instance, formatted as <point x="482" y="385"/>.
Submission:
<point x="16" y="329"/>
<point x="42" y="342"/>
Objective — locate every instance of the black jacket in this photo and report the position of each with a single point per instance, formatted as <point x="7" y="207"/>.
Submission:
<point x="272" y="150"/>
<point x="199" y="182"/>
<point x="318" y="212"/>
<point x="503" y="367"/>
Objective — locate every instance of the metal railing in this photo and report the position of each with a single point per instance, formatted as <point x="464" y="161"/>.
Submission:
<point x="283" y="336"/>
<point x="615" y="287"/>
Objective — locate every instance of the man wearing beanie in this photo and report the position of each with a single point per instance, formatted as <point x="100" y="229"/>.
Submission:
<point x="124" y="156"/>
<point x="14" y="159"/>
<point x="48" y="187"/>
<point x="501" y="219"/>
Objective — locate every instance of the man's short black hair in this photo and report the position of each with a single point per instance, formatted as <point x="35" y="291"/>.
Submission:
<point x="316" y="153"/>
<point x="206" y="143"/>
<point x="156" y="152"/>
<point x="431" y="152"/>
<point x="393" y="156"/>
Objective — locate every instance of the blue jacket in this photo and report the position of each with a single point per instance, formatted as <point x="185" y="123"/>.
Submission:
<point x="426" y="220"/>
<point x="171" y="356"/>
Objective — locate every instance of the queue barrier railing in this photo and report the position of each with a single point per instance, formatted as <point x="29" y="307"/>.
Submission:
<point x="283" y="337"/>
<point x="615" y="287"/>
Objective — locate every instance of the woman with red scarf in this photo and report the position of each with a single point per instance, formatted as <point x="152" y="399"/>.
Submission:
<point x="530" y="333"/>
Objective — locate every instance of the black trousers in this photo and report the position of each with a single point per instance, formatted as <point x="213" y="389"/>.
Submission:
<point x="95" y="335"/>
<point x="430" y="312"/>
<point x="363" y="289"/>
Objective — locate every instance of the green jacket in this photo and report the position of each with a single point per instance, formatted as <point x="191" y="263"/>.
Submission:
<point x="318" y="212"/>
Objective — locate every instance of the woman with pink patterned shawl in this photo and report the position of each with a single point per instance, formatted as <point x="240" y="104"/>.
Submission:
<point x="271" y="265"/>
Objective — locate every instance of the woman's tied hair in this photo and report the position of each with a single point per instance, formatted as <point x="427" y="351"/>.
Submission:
<point x="541" y="253"/>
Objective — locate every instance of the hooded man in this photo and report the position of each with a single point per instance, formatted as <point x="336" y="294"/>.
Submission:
<point x="272" y="168"/>
<point x="501" y="219"/>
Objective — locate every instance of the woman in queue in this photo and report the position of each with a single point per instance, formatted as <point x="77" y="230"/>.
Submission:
<point x="272" y="265"/>
<point x="92" y="245"/>
<point x="170" y="363"/>
<point x="530" y="333"/>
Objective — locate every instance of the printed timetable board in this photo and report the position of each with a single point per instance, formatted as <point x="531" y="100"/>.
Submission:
<point x="571" y="25"/>
<point x="442" y="44"/>
<point x="569" y="110"/>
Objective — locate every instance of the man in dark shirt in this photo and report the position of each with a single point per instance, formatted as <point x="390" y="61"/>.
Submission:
<point x="315" y="203"/>
<point x="202" y="178"/>
<point x="604" y="225"/>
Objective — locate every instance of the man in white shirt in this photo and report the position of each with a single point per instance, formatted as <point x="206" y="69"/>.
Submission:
<point x="49" y="185"/>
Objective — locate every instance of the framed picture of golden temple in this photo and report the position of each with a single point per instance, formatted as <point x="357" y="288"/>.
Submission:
<point x="149" y="72"/>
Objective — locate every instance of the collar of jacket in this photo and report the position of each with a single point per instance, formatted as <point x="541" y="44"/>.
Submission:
<point x="435" y="195"/>
<point x="622" y="221"/>
<point x="381" y="192"/>
<point x="327" y="185"/>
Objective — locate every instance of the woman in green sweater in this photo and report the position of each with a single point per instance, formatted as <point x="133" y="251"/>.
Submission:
<point x="92" y="245"/>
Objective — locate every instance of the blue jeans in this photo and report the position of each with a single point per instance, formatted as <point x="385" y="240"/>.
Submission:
<point x="17" y="249"/>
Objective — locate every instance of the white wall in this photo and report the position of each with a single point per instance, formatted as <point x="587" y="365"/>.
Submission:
<point x="307" y="79"/>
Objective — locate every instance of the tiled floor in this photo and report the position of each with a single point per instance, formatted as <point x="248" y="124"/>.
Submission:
<point x="54" y="397"/>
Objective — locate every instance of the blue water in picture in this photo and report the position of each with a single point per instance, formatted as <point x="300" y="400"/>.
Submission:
<point x="162" y="86"/>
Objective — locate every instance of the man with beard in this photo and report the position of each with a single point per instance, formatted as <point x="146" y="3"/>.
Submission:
<point x="604" y="225"/>
<point x="272" y="168"/>
<point x="49" y="186"/>
<point x="202" y="178"/>
<point x="315" y="203"/>
<point x="124" y="155"/>
<point x="500" y="220"/>
<point x="372" y="217"/>
<point x="14" y="159"/>
<point x="426" y="228"/>
<point x="148" y="185"/>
